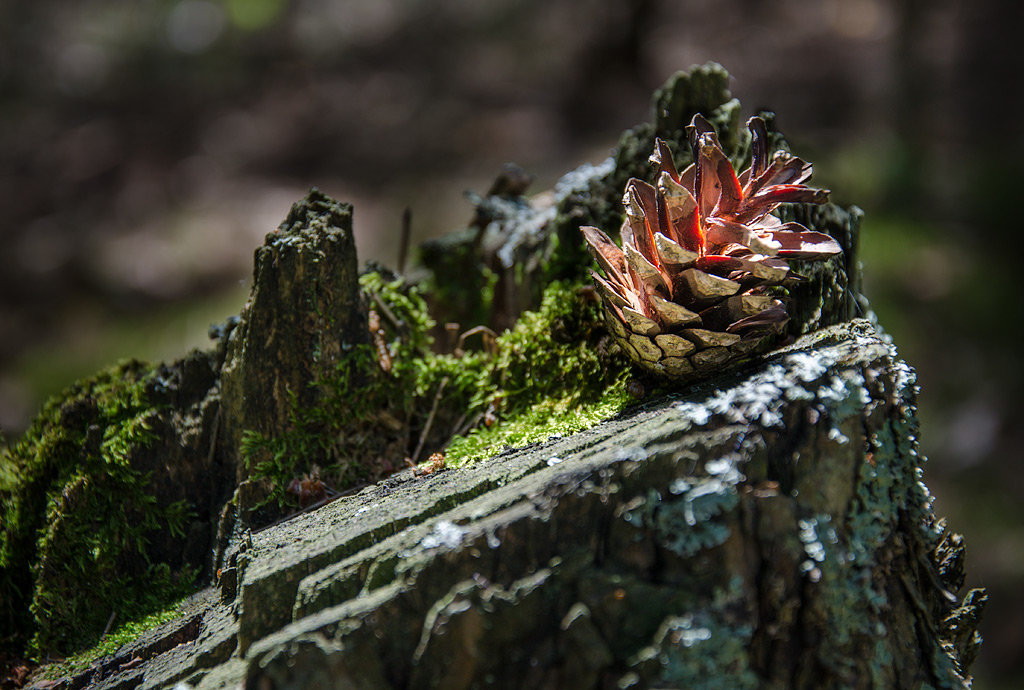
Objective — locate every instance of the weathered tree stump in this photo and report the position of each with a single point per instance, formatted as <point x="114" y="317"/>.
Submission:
<point x="771" y="531"/>
<point x="768" y="528"/>
<point x="303" y="312"/>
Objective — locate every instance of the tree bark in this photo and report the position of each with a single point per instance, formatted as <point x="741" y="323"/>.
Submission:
<point x="303" y="312"/>
<point x="767" y="531"/>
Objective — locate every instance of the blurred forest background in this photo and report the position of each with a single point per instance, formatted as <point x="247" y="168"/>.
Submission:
<point x="146" y="148"/>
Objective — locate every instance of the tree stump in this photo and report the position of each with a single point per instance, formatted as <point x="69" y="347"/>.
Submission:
<point x="767" y="531"/>
<point x="768" y="528"/>
<point x="303" y="313"/>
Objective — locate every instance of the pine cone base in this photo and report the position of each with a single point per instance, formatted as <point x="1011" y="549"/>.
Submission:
<point x="692" y="353"/>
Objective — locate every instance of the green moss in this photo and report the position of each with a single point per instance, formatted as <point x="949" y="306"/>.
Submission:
<point x="77" y="515"/>
<point x="121" y="635"/>
<point x="550" y="374"/>
<point x="362" y="427"/>
<point x="538" y="423"/>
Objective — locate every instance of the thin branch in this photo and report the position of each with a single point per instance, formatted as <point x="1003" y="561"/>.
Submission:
<point x="430" y="420"/>
<point x="489" y="338"/>
<point x="386" y="311"/>
<point x="110" y="622"/>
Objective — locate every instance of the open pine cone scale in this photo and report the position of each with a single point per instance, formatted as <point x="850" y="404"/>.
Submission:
<point x="697" y="283"/>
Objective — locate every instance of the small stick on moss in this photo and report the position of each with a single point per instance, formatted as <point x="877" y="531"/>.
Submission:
<point x="490" y="340"/>
<point x="430" y="420"/>
<point x="386" y="311"/>
<point x="377" y="334"/>
<point x="451" y="330"/>
<point x="457" y="427"/>
<point x="464" y="425"/>
<point x="110" y="622"/>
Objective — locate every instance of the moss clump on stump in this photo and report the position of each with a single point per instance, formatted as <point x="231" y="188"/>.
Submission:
<point x="554" y="372"/>
<point x="92" y="527"/>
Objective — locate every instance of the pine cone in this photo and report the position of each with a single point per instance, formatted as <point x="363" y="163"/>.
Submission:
<point x="698" y="284"/>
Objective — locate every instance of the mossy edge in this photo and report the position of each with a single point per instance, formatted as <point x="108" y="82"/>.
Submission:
<point x="78" y="505"/>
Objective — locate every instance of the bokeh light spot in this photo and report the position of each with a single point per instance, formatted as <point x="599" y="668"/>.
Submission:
<point x="194" y="25"/>
<point x="254" y="14"/>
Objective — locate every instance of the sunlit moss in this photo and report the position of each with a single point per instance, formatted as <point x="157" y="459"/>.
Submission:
<point x="538" y="423"/>
<point x="549" y="374"/>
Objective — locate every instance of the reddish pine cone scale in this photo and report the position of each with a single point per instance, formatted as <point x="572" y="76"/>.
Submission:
<point x="690" y="291"/>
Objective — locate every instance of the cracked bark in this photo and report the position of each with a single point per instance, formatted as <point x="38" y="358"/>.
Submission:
<point x="710" y="539"/>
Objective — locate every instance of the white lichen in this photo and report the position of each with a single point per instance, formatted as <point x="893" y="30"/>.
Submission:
<point x="445" y="533"/>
